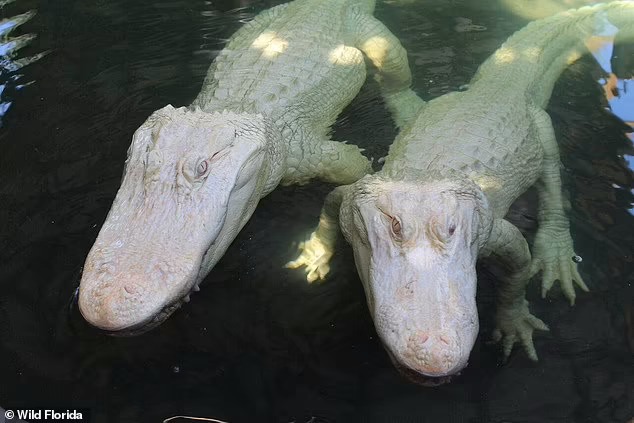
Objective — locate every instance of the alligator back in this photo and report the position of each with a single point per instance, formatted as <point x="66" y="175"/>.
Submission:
<point x="294" y="60"/>
<point x="477" y="134"/>
<point x="532" y="59"/>
<point x="488" y="132"/>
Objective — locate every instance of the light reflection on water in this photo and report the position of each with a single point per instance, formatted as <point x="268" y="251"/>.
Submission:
<point x="10" y="62"/>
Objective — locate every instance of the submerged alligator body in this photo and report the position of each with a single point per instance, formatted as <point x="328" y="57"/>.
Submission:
<point x="418" y="226"/>
<point x="194" y="175"/>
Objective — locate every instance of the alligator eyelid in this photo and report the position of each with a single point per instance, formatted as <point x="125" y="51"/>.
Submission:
<point x="387" y="214"/>
<point x="220" y="153"/>
<point x="395" y="224"/>
<point x="202" y="168"/>
<point x="396" y="227"/>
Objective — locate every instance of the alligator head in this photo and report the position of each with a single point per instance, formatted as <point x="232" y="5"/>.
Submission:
<point x="415" y="247"/>
<point x="191" y="181"/>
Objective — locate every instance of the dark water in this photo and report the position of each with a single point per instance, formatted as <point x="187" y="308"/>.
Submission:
<point x="258" y="344"/>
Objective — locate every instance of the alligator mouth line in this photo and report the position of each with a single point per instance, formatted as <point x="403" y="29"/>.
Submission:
<point x="155" y="320"/>
<point x="150" y="323"/>
<point x="419" y="378"/>
<point x="424" y="380"/>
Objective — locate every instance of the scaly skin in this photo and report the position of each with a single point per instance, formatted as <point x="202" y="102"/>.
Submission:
<point x="419" y="225"/>
<point x="194" y="175"/>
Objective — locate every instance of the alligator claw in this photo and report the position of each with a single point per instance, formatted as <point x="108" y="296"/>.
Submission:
<point x="517" y="324"/>
<point x="556" y="259"/>
<point x="315" y="255"/>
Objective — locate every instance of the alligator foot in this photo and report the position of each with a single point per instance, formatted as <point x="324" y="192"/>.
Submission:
<point x="516" y="324"/>
<point x="555" y="257"/>
<point x="315" y="255"/>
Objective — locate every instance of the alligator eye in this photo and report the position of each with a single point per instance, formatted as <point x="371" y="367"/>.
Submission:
<point x="202" y="168"/>
<point x="452" y="229"/>
<point x="396" y="226"/>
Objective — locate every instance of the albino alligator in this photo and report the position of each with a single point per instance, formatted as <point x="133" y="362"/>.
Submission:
<point x="418" y="226"/>
<point x="194" y="175"/>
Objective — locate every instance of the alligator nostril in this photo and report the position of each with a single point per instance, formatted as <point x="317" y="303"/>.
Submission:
<point x="423" y="338"/>
<point x="130" y="289"/>
<point x="444" y="339"/>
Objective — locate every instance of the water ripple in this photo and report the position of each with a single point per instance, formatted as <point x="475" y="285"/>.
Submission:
<point x="10" y="62"/>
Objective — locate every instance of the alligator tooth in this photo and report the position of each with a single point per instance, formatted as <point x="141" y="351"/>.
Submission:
<point x="196" y="288"/>
<point x="186" y="299"/>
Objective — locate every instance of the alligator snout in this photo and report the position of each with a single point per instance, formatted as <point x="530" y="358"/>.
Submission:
<point x="114" y="307"/>
<point x="434" y="354"/>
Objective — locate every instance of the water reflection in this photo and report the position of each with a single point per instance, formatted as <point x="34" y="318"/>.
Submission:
<point x="621" y="100"/>
<point x="10" y="62"/>
<point x="618" y="91"/>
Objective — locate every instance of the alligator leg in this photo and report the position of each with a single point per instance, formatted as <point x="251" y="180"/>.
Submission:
<point x="514" y="322"/>
<point x="553" y="251"/>
<point x="317" y="251"/>
<point x="341" y="163"/>
<point x="404" y="106"/>
<point x="330" y="161"/>
<point x="390" y="60"/>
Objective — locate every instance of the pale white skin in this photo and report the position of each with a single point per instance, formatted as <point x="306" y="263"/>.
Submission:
<point x="190" y="181"/>
<point x="489" y="144"/>
<point x="423" y="302"/>
<point x="416" y="244"/>
<point x="262" y="118"/>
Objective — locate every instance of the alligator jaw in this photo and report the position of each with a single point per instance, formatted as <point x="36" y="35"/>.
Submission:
<point x="155" y="320"/>
<point x="424" y="380"/>
<point x="146" y="325"/>
<point x="420" y="378"/>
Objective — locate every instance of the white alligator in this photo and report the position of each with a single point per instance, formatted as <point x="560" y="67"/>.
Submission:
<point x="194" y="175"/>
<point x="418" y="226"/>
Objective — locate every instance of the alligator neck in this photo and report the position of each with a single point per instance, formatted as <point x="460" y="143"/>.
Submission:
<point x="277" y="154"/>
